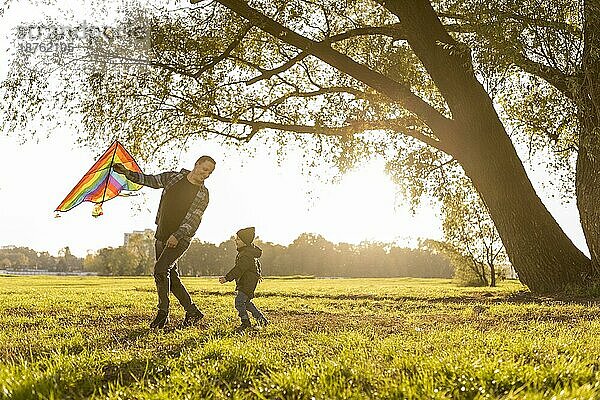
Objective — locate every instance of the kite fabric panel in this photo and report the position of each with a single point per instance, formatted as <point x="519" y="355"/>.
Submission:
<point x="101" y="183"/>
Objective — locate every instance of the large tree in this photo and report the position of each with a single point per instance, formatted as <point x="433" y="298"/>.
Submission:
<point x="356" y="76"/>
<point x="555" y="45"/>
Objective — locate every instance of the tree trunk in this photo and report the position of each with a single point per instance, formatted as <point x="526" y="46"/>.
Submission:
<point x="543" y="256"/>
<point x="541" y="253"/>
<point x="492" y="275"/>
<point x="588" y="161"/>
<point x="480" y="271"/>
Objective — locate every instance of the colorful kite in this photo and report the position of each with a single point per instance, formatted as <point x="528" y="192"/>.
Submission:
<point x="101" y="183"/>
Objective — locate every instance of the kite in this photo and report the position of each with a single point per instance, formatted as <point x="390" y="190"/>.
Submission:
<point x="101" y="183"/>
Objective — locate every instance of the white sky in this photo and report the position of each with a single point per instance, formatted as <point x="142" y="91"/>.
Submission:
<point x="35" y="177"/>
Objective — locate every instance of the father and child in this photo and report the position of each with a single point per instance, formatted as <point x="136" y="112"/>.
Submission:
<point x="183" y="201"/>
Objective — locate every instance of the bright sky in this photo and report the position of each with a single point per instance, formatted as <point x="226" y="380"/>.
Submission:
<point x="244" y="191"/>
<point x="273" y="198"/>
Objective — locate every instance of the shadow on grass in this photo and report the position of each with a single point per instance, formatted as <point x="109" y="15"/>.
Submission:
<point x="519" y="297"/>
<point x="476" y="317"/>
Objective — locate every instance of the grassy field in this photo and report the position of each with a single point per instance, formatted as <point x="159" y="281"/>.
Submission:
<point x="68" y="337"/>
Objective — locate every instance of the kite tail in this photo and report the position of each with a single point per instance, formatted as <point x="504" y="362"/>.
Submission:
<point x="129" y="194"/>
<point x="97" y="211"/>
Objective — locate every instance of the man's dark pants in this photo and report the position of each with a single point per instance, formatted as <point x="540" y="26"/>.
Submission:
<point x="166" y="276"/>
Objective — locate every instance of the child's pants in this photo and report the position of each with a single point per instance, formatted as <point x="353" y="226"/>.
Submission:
<point x="243" y="303"/>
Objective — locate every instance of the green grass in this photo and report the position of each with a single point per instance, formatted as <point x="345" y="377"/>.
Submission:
<point x="63" y="338"/>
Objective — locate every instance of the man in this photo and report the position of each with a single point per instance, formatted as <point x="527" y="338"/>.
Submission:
<point x="183" y="201"/>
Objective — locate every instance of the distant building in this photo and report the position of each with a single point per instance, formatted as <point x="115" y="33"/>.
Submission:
<point x="146" y="233"/>
<point x="10" y="247"/>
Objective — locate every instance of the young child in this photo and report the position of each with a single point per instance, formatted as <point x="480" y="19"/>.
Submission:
<point x="246" y="274"/>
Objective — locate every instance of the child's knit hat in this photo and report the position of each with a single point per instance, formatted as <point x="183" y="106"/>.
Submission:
<point x="246" y="235"/>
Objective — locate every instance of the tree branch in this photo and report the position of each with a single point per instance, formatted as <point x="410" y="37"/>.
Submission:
<point x="553" y="76"/>
<point x="504" y="16"/>
<point x="336" y="89"/>
<point x="235" y="43"/>
<point x="394" y="31"/>
<point x="352" y="128"/>
<point x="283" y="67"/>
<point x="322" y="50"/>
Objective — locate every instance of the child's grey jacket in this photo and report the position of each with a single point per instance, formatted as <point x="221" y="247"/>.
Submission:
<point x="246" y="271"/>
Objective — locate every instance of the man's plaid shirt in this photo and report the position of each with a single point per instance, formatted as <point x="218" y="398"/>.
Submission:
<point x="166" y="180"/>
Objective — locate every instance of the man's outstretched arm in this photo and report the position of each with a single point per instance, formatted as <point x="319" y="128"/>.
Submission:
<point x="153" y="181"/>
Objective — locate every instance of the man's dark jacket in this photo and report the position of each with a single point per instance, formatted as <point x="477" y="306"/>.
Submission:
<point x="167" y="180"/>
<point x="246" y="271"/>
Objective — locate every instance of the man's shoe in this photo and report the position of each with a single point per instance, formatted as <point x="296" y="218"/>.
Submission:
<point x="192" y="317"/>
<point x="243" y="326"/>
<point x="162" y="318"/>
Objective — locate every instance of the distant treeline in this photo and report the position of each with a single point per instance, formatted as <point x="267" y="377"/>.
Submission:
<point x="24" y="258"/>
<point x="309" y="254"/>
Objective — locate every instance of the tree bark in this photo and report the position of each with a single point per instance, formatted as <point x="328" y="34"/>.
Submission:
<point x="588" y="161"/>
<point x="543" y="256"/>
